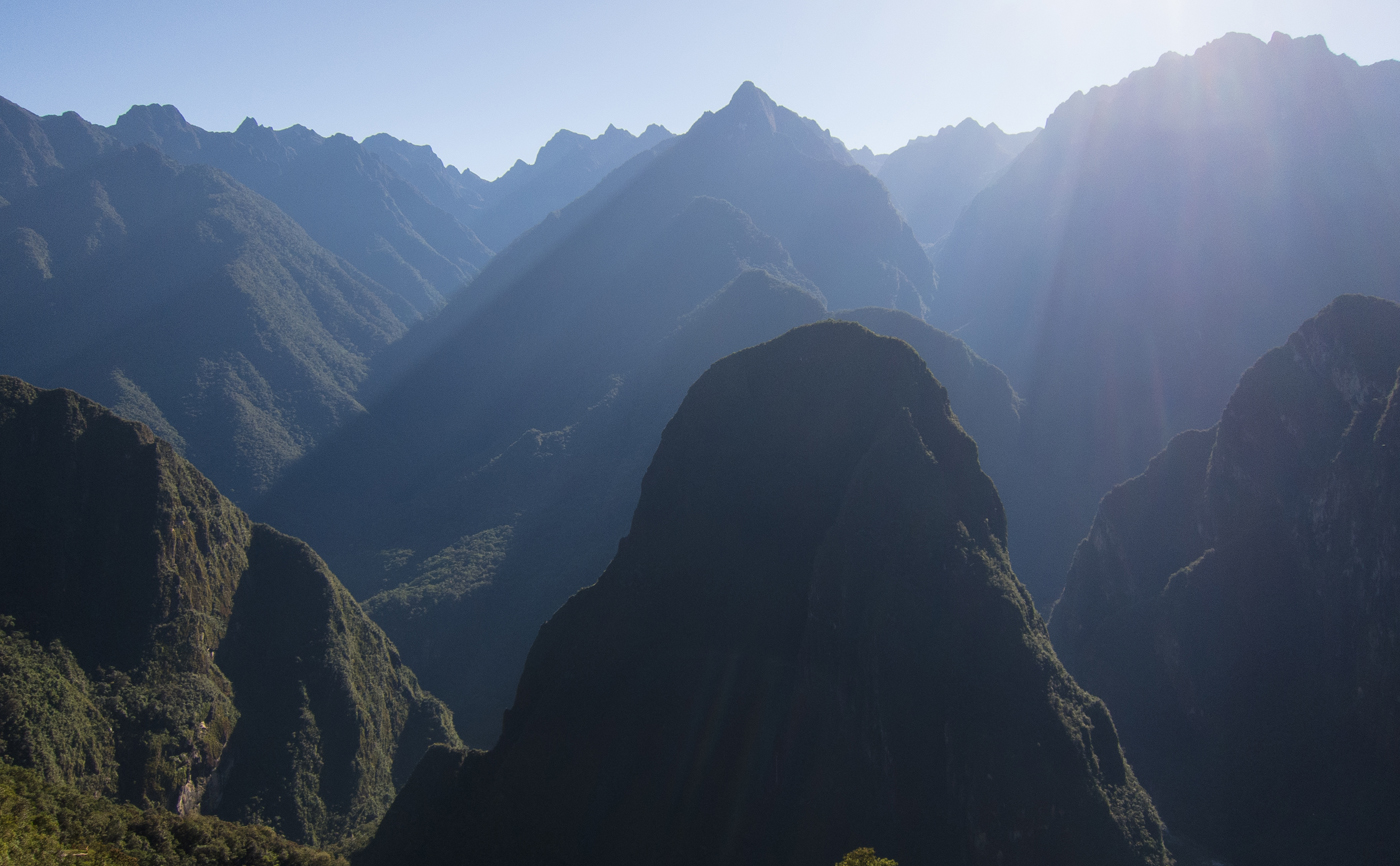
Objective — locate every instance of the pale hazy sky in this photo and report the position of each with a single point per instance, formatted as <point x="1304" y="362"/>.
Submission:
<point x="485" y="83"/>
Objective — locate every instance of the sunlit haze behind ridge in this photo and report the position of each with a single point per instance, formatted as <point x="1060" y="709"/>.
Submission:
<point x="486" y="84"/>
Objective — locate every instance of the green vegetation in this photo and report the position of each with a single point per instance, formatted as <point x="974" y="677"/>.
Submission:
<point x="865" y="857"/>
<point x="52" y="720"/>
<point x="191" y="303"/>
<point x="44" y="823"/>
<point x="176" y="654"/>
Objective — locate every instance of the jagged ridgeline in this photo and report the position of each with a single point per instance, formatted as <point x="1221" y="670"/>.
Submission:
<point x="810" y="641"/>
<point x="1238" y="605"/>
<point x="933" y="177"/>
<point x="346" y="197"/>
<point x="160" y="647"/>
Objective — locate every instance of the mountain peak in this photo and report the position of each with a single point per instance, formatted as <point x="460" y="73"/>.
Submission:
<point x="749" y="104"/>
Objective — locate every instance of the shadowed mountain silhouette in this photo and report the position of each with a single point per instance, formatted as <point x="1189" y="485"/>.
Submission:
<point x="1236" y="605"/>
<point x="809" y="640"/>
<point x="213" y="662"/>
<point x="1155" y="239"/>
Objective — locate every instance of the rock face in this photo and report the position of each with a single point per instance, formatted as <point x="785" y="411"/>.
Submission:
<point x="1159" y="236"/>
<point x="810" y="640"/>
<point x="1238" y="605"/>
<point x="933" y="177"/>
<point x="193" y="659"/>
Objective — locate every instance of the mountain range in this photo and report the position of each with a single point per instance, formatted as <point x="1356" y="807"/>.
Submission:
<point x="345" y="197"/>
<point x="505" y="440"/>
<point x="731" y="350"/>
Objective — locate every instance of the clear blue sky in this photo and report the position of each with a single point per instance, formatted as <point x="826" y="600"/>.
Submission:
<point x="485" y="83"/>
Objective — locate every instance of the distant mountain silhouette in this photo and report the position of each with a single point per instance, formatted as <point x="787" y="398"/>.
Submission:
<point x="1236" y="605"/>
<point x="1154" y="240"/>
<point x="347" y="198"/>
<point x="501" y="456"/>
<point x="568" y="166"/>
<point x="191" y="303"/>
<point x="933" y="177"/>
<point x="499" y="211"/>
<point x="810" y="640"/>
<point x="460" y="193"/>
<point x="870" y="159"/>
<point x="183" y="656"/>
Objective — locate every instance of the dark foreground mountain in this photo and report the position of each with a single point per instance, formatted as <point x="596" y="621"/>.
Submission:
<point x="345" y="196"/>
<point x="161" y="647"/>
<point x="811" y="640"/>
<point x="502" y="464"/>
<point x="190" y="303"/>
<point x="53" y="823"/>
<point x="1155" y="239"/>
<point x="933" y="177"/>
<point x="1238" y="605"/>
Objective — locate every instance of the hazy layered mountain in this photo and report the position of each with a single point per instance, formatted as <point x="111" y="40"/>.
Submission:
<point x="36" y="149"/>
<point x="1236" y="605"/>
<point x="498" y="467"/>
<point x="933" y="177"/>
<point x="460" y="193"/>
<point x="1155" y="239"/>
<point x="868" y="158"/>
<point x="499" y="211"/>
<point x="345" y="196"/>
<point x="192" y="304"/>
<point x="176" y="654"/>
<point x="815" y="578"/>
<point x="568" y="166"/>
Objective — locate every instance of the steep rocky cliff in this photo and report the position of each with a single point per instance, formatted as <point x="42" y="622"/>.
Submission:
<point x="161" y="647"/>
<point x="1237" y="605"/>
<point x="811" y="640"/>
